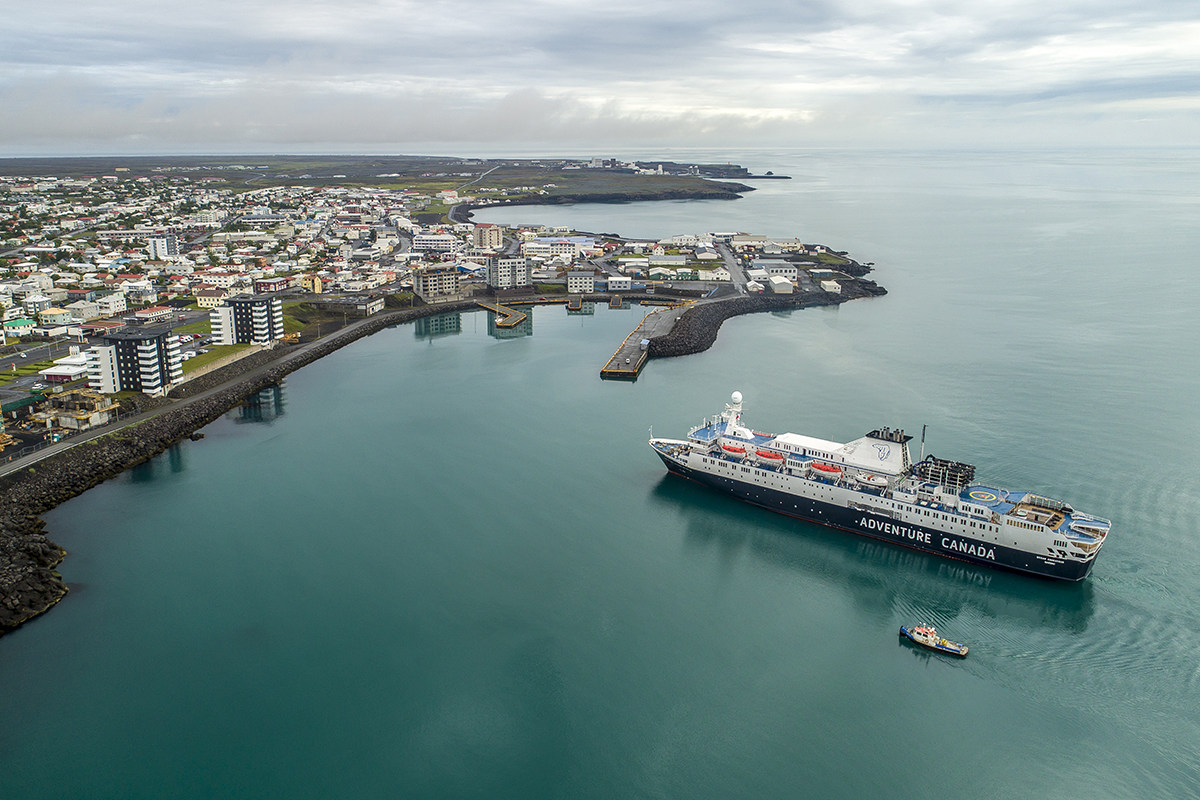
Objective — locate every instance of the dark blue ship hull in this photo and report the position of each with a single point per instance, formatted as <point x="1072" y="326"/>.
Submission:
<point x="885" y="529"/>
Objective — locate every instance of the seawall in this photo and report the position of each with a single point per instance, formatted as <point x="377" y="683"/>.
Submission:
<point x="697" y="328"/>
<point x="29" y="585"/>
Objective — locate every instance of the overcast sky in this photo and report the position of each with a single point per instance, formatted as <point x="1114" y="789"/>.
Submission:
<point x="129" y="76"/>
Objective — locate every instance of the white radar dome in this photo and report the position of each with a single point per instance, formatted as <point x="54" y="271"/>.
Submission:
<point x="737" y="397"/>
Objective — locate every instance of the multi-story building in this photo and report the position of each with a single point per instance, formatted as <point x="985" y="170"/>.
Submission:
<point x="36" y="303"/>
<point x="436" y="281"/>
<point x="163" y="247"/>
<point x="435" y="242"/>
<point x="143" y="360"/>
<point x="247" y="319"/>
<point x="505" y="273"/>
<point x="487" y="236"/>
<point x="111" y="304"/>
<point x="579" y="282"/>
<point x="83" y="311"/>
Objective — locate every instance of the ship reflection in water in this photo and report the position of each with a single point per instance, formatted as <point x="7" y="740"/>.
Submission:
<point x="437" y="326"/>
<point x="262" y="407"/>
<point x="880" y="578"/>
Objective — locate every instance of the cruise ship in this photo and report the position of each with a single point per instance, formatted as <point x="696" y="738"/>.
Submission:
<point x="871" y="487"/>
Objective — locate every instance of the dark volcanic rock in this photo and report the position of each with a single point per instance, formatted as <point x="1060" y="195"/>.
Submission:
<point x="28" y="583"/>
<point x="696" y="331"/>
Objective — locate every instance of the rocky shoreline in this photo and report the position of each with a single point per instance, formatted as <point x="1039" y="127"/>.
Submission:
<point x="29" y="584"/>
<point x="697" y="328"/>
<point x="463" y="212"/>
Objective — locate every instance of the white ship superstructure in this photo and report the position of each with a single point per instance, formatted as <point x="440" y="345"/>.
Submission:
<point x="870" y="486"/>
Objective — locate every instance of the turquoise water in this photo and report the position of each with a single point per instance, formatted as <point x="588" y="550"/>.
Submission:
<point x="442" y="564"/>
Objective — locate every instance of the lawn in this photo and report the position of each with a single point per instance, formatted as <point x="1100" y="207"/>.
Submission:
<point x="203" y="326"/>
<point x="23" y="370"/>
<point x="215" y="352"/>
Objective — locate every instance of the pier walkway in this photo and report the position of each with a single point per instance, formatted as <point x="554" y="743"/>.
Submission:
<point x="505" y="317"/>
<point x="627" y="362"/>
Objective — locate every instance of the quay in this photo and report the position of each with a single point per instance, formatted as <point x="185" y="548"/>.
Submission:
<point x="505" y="317"/>
<point x="627" y="362"/>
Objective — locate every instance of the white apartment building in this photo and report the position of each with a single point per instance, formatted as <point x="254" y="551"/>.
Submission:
<point x="247" y="319"/>
<point x="435" y="242"/>
<point x="163" y="247"/>
<point x="579" y="282"/>
<point x="145" y="360"/>
<point x="111" y="304"/>
<point x="83" y="311"/>
<point x="506" y="273"/>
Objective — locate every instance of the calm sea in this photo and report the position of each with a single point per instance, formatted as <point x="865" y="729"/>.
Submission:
<point x="444" y="564"/>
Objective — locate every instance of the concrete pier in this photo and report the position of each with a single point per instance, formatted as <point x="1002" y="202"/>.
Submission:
<point x="627" y="362"/>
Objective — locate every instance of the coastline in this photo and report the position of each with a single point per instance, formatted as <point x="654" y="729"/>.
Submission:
<point x="29" y="583"/>
<point x="462" y="212"/>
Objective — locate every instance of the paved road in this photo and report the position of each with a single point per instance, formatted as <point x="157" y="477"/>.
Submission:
<point x="46" y="452"/>
<point x="735" y="269"/>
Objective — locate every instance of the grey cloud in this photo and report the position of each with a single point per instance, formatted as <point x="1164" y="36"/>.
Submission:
<point x="138" y="74"/>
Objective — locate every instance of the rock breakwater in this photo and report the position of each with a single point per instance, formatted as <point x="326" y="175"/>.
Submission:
<point x="697" y="329"/>
<point x="29" y="585"/>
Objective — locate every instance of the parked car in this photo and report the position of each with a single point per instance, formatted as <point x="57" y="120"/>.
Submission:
<point x="37" y="387"/>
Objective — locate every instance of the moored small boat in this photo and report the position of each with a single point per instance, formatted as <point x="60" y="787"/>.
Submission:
<point x="927" y="636"/>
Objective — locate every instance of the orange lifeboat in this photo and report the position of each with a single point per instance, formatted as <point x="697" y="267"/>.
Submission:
<point x="826" y="470"/>
<point x="729" y="448"/>
<point x="769" y="456"/>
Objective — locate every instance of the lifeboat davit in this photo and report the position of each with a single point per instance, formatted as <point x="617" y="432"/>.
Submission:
<point x="730" y="448"/>
<point x="826" y="470"/>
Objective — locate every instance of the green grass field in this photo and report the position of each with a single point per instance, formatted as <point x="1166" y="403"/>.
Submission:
<point x="214" y="353"/>
<point x="203" y="326"/>
<point x="23" y="370"/>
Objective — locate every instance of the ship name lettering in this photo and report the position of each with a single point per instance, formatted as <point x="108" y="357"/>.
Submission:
<point x="899" y="531"/>
<point x="978" y="551"/>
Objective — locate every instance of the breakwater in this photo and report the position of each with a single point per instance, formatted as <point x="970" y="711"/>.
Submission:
<point x="697" y="328"/>
<point x="29" y="585"/>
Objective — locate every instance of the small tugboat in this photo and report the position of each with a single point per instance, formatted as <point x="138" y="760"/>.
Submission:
<point x="927" y="636"/>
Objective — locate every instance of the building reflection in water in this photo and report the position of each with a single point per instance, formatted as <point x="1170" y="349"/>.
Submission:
<point x="439" y="325"/>
<point x="521" y="329"/>
<point x="262" y="407"/>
